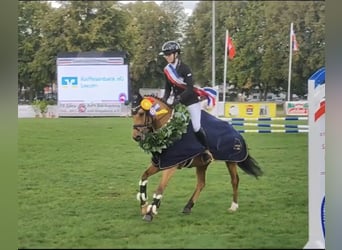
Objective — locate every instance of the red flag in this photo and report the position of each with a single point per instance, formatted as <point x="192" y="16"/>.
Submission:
<point x="231" y="48"/>
<point x="294" y="41"/>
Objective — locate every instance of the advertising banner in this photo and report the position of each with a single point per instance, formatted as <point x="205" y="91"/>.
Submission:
<point x="92" y="86"/>
<point x="90" y="109"/>
<point x="249" y="110"/>
<point x="297" y="108"/>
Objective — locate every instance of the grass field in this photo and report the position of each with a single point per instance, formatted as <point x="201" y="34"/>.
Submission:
<point x="78" y="179"/>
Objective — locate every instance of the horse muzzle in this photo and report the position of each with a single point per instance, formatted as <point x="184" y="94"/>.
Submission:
<point x="137" y="138"/>
<point x="139" y="132"/>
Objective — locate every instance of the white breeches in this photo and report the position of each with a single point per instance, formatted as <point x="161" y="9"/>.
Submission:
<point x="195" y="115"/>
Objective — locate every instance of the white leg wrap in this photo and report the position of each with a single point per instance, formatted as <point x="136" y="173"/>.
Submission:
<point x="152" y="208"/>
<point x="142" y="183"/>
<point x="141" y="196"/>
<point x="233" y="207"/>
<point x="159" y="196"/>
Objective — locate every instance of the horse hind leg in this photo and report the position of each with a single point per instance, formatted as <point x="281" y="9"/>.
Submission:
<point x="232" y="168"/>
<point x="201" y="176"/>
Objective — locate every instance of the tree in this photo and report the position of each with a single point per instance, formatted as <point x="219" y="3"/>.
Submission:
<point x="29" y="41"/>
<point x="151" y="26"/>
<point x="74" y="26"/>
<point x="259" y="29"/>
<point x="177" y="19"/>
<point x="260" y="32"/>
<point x="197" y="42"/>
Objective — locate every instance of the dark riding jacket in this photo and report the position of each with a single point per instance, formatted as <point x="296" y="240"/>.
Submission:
<point x="187" y="96"/>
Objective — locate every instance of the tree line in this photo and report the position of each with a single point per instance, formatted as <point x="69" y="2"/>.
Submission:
<point x="260" y="31"/>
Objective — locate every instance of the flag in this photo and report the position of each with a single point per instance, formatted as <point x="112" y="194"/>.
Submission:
<point x="231" y="48"/>
<point x="294" y="41"/>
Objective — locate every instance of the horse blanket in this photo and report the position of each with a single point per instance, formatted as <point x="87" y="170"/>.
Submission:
<point x="225" y="143"/>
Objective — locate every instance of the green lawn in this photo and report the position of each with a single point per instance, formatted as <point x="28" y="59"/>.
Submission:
<point x="78" y="179"/>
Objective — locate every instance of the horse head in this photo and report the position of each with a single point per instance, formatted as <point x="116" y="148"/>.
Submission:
<point x="149" y="113"/>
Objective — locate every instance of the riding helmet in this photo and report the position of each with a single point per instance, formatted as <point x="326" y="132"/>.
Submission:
<point x="169" y="48"/>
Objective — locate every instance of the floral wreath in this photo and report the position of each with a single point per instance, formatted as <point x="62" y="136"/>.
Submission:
<point x="165" y="136"/>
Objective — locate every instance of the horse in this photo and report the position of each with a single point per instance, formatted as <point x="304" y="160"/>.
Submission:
<point x="164" y="131"/>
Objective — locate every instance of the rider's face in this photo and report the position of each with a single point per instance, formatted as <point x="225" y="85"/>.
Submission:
<point x="170" y="57"/>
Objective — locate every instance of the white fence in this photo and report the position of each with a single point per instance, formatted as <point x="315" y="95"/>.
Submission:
<point x="27" y="111"/>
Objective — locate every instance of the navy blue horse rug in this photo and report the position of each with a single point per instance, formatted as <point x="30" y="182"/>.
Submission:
<point x="225" y="144"/>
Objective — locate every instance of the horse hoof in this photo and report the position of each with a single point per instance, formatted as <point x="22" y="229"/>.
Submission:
<point x="186" y="210"/>
<point x="148" y="217"/>
<point x="234" y="206"/>
<point x="143" y="209"/>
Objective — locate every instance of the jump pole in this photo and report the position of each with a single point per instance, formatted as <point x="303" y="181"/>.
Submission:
<point x="264" y="119"/>
<point x="260" y="131"/>
<point x="316" y="160"/>
<point x="261" y="125"/>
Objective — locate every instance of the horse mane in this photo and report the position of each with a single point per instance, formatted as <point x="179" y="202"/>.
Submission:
<point x="160" y="121"/>
<point x="159" y="99"/>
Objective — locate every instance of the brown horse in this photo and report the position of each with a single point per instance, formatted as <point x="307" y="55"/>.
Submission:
<point x="163" y="130"/>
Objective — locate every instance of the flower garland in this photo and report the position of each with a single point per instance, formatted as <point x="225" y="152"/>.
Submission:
<point x="164" y="137"/>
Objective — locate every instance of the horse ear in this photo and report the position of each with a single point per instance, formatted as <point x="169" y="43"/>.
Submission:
<point x="136" y="99"/>
<point x="136" y="95"/>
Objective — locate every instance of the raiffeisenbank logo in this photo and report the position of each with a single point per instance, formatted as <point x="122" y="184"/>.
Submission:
<point x="69" y="81"/>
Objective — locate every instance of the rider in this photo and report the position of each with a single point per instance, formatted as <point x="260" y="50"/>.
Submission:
<point x="179" y="79"/>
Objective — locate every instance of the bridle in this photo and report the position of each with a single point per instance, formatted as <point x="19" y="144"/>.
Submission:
<point x="148" y="121"/>
<point x="146" y="112"/>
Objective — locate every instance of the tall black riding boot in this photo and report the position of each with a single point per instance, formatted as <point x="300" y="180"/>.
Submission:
<point x="202" y="138"/>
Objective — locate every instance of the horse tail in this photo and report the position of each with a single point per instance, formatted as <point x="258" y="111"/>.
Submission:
<point x="251" y="167"/>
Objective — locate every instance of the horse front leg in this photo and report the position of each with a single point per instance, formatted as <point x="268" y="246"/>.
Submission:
<point x="232" y="168"/>
<point x="201" y="175"/>
<point x="157" y="196"/>
<point x="142" y="194"/>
